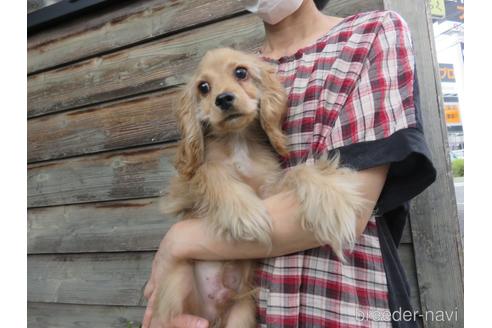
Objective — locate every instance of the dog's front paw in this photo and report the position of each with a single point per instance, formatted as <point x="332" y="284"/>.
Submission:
<point x="332" y="216"/>
<point x="241" y="217"/>
<point x="331" y="203"/>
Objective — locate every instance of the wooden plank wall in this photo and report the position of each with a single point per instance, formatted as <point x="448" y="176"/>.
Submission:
<point x="100" y="137"/>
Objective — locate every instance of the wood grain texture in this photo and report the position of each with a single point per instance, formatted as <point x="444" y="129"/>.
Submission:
<point x="98" y="279"/>
<point x="434" y="219"/>
<point x="56" y="315"/>
<point x="132" y="225"/>
<point x="131" y="22"/>
<point x="120" y="25"/>
<point x="128" y="174"/>
<point x="137" y="121"/>
<point x="148" y="67"/>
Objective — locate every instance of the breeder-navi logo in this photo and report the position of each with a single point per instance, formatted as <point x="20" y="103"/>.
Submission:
<point x="407" y="315"/>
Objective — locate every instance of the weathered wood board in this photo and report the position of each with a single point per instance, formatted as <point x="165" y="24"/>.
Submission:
<point x="126" y="174"/>
<point x="122" y="124"/>
<point x="57" y="315"/>
<point x="130" y="225"/>
<point x="99" y="279"/>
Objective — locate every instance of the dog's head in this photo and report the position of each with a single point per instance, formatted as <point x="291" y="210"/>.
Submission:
<point x="229" y="91"/>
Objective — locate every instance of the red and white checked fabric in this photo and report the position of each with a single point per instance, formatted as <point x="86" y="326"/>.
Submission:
<point x="355" y="84"/>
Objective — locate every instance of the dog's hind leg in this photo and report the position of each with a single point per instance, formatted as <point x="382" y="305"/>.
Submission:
<point x="176" y="293"/>
<point x="242" y="314"/>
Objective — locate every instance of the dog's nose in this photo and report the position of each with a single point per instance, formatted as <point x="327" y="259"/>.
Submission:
<point x="224" y="100"/>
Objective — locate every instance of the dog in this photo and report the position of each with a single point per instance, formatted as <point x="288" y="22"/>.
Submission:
<point x="230" y="116"/>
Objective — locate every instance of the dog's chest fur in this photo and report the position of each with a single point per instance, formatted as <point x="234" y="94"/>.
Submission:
<point x="241" y="158"/>
<point x="253" y="162"/>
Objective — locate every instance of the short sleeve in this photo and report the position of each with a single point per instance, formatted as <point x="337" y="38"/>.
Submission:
<point x="380" y="123"/>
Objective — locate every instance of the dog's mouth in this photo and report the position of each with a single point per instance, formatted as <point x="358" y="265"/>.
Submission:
<point x="233" y="116"/>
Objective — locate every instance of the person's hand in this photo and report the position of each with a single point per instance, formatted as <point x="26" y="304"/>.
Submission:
<point x="182" y="321"/>
<point x="163" y="259"/>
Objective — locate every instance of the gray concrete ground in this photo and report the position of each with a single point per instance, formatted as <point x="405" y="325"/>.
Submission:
<point x="459" y="187"/>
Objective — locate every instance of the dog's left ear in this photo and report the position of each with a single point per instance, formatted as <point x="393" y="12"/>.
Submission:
<point x="273" y="107"/>
<point x="190" y="151"/>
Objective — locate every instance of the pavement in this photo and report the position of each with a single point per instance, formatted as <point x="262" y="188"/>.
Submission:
<point x="459" y="187"/>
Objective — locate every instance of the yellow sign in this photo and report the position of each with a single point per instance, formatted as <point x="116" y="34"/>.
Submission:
<point x="452" y="114"/>
<point x="438" y="9"/>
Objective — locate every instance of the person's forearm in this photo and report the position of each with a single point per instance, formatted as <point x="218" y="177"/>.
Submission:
<point x="192" y="239"/>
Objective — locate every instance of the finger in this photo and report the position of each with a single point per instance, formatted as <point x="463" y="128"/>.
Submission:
<point x="149" y="288"/>
<point x="149" y="311"/>
<point x="189" y="321"/>
<point x="157" y="324"/>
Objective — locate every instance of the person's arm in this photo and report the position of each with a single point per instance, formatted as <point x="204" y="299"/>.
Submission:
<point x="188" y="239"/>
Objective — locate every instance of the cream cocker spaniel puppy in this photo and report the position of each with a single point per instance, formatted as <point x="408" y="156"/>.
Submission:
<point x="230" y="117"/>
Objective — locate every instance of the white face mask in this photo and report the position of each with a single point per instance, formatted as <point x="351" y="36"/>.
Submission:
<point x="272" y="11"/>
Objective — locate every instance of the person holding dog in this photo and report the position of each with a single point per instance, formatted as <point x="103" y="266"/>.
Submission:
<point x="352" y="91"/>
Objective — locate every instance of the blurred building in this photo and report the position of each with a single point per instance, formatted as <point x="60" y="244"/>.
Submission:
<point x="448" y="22"/>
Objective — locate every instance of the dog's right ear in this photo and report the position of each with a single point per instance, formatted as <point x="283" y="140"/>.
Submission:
<point x="190" y="153"/>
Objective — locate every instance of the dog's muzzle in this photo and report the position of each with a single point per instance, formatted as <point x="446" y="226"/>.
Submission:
<point x="225" y="101"/>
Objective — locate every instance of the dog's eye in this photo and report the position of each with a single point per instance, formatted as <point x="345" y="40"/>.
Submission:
<point x="241" y="73"/>
<point x="204" y="87"/>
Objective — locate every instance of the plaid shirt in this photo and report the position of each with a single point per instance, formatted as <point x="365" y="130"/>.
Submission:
<point x="354" y="84"/>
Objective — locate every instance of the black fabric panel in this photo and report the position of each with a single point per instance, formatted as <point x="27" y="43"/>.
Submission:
<point x="398" y="287"/>
<point x="396" y="220"/>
